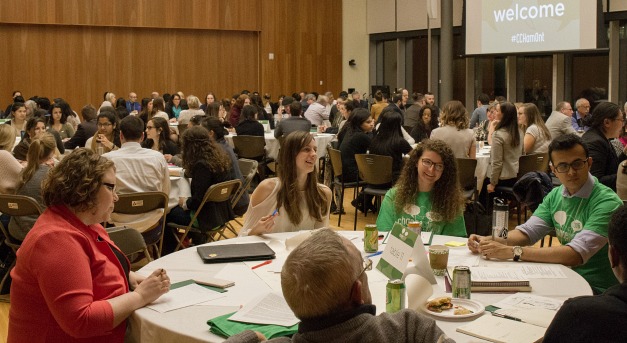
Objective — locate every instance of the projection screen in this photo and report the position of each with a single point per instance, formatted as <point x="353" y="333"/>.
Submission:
<point x="516" y="26"/>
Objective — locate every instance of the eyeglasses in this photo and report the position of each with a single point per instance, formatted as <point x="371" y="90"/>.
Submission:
<point x="367" y="265"/>
<point x="104" y="124"/>
<point x="109" y="186"/>
<point x="565" y="167"/>
<point x="428" y="164"/>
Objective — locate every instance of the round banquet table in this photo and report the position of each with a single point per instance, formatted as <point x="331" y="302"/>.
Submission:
<point x="189" y="324"/>
<point x="272" y="144"/>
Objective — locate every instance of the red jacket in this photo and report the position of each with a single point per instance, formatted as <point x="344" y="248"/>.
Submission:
<point x="65" y="271"/>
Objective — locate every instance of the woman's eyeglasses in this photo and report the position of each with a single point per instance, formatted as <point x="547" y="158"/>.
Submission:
<point x="427" y="163"/>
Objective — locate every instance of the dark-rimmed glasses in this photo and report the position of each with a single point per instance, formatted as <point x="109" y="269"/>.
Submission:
<point x="565" y="167"/>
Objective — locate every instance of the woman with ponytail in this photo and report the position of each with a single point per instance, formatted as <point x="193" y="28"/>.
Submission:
<point x="40" y="159"/>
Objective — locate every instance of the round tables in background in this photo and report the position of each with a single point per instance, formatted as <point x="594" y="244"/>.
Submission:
<point x="272" y="144"/>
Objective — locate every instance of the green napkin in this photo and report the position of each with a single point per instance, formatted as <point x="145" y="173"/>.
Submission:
<point x="491" y="308"/>
<point x="189" y="282"/>
<point x="226" y="328"/>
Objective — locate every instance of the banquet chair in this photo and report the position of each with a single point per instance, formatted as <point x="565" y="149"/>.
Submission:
<point x="374" y="170"/>
<point x="219" y="192"/>
<point x="129" y="241"/>
<point x="468" y="181"/>
<point x="252" y="147"/>
<point x="141" y="203"/>
<point x="526" y="164"/>
<point x="249" y="170"/>
<point x="16" y="206"/>
<point x="338" y="179"/>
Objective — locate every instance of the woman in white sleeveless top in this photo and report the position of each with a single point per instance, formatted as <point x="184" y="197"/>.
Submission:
<point x="293" y="201"/>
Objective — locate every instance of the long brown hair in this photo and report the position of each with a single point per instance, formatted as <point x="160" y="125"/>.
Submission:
<point x="509" y="122"/>
<point x="447" y="199"/>
<point x="197" y="147"/>
<point x="39" y="149"/>
<point x="288" y="195"/>
<point x="532" y="114"/>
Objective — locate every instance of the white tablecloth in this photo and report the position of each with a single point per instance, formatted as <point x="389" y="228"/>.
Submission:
<point x="190" y="324"/>
<point x="179" y="187"/>
<point x="483" y="161"/>
<point x="272" y="144"/>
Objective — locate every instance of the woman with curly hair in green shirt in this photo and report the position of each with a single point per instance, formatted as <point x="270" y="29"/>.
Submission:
<point x="427" y="191"/>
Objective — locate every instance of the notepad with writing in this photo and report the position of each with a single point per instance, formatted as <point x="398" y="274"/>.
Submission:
<point x="495" y="329"/>
<point x="487" y="279"/>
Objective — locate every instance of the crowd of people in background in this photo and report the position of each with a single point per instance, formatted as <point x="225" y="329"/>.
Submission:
<point x="586" y="148"/>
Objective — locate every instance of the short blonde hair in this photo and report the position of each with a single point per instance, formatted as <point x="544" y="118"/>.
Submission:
<point x="193" y="102"/>
<point x="109" y="97"/>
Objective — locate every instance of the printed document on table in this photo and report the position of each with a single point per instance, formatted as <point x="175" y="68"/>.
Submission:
<point x="489" y="274"/>
<point x="247" y="285"/>
<point x="463" y="257"/>
<point x="543" y="271"/>
<point x="527" y="300"/>
<point x="182" y="297"/>
<point x="269" y="309"/>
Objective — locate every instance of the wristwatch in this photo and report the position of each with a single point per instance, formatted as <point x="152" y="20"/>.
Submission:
<point x="517" y="253"/>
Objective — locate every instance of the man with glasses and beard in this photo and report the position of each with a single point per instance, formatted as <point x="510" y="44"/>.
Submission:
<point x="579" y="211"/>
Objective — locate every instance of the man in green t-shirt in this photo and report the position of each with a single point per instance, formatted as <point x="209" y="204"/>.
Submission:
<point x="579" y="211"/>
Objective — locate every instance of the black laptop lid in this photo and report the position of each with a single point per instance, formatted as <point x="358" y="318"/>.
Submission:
<point x="235" y="252"/>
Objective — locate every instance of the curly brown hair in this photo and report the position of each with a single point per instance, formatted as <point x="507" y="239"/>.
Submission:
<point x="288" y="195"/>
<point x="197" y="146"/>
<point x="447" y="200"/>
<point x="75" y="181"/>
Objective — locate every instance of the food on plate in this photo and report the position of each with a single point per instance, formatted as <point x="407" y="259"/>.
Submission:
<point x="461" y="310"/>
<point x="439" y="304"/>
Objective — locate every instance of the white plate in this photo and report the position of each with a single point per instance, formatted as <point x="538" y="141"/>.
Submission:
<point x="476" y="307"/>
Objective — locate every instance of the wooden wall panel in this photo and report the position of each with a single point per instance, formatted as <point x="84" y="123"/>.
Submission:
<point x="189" y="14"/>
<point x="78" y="49"/>
<point x="306" y="41"/>
<point x="81" y="63"/>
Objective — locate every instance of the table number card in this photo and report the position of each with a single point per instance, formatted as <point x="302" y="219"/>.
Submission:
<point x="403" y="245"/>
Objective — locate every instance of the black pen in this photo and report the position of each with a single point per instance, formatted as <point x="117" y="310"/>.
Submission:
<point x="506" y="316"/>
